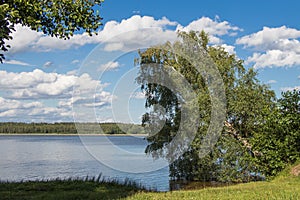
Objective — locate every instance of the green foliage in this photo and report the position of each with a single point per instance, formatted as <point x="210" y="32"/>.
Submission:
<point x="56" y="17"/>
<point x="68" y="128"/>
<point x="231" y="159"/>
<point x="279" y="137"/>
<point x="14" y="127"/>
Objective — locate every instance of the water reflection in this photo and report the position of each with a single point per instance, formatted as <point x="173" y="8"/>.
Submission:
<point x="49" y="157"/>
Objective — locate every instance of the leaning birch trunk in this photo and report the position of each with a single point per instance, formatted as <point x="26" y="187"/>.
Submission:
<point x="234" y="133"/>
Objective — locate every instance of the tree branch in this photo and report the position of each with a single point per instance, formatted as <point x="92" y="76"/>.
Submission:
<point x="234" y="133"/>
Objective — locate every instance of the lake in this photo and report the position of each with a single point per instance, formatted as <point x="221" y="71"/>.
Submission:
<point x="35" y="157"/>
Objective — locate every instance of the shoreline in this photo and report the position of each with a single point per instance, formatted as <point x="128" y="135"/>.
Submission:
<point x="69" y="134"/>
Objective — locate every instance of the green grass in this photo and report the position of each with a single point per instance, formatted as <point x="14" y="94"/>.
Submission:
<point x="69" y="189"/>
<point x="288" y="189"/>
<point x="285" y="186"/>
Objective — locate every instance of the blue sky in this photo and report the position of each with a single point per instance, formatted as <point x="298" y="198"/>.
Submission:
<point x="40" y="73"/>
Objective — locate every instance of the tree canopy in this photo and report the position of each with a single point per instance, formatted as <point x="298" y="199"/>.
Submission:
<point x="56" y="18"/>
<point x="239" y="153"/>
<point x="69" y="127"/>
<point x="278" y="139"/>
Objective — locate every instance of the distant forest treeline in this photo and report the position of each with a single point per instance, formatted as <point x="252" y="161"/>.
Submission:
<point x="70" y="128"/>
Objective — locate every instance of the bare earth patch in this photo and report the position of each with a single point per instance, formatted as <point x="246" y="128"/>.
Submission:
<point x="296" y="170"/>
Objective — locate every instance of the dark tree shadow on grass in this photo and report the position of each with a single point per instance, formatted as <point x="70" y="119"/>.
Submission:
<point x="69" y="189"/>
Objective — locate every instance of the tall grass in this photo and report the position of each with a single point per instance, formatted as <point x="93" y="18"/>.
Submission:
<point x="71" y="188"/>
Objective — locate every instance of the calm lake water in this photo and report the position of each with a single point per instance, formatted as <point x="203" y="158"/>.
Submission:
<point x="49" y="157"/>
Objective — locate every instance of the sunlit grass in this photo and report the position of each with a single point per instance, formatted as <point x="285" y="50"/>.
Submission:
<point x="285" y="189"/>
<point x="285" y="186"/>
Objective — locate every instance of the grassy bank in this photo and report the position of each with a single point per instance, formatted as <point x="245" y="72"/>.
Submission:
<point x="285" y="186"/>
<point x="69" y="189"/>
<point x="283" y="189"/>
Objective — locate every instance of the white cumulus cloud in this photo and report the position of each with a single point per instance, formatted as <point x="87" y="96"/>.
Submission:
<point x="213" y="27"/>
<point x="128" y="34"/>
<point x="16" y="110"/>
<point x="274" y="58"/>
<point x="135" y="32"/>
<point x="24" y="92"/>
<point x="274" y="47"/>
<point x="124" y="34"/>
<point x="269" y="38"/>
<point x="39" y="84"/>
<point x="23" y="38"/>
